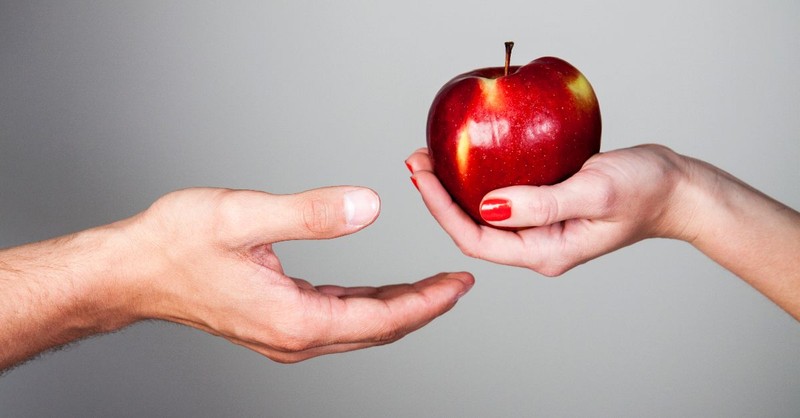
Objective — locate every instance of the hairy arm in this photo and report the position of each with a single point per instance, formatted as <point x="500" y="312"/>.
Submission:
<point x="60" y="290"/>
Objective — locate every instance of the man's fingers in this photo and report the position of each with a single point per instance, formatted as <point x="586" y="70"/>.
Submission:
<point x="356" y="318"/>
<point x="298" y="356"/>
<point x="315" y="214"/>
<point x="384" y="318"/>
<point x="345" y="292"/>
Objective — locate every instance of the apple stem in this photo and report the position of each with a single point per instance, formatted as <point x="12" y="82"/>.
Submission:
<point x="509" y="46"/>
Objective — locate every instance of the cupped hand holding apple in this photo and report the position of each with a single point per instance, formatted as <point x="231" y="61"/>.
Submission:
<point x="616" y="199"/>
<point x="504" y="147"/>
<point x="621" y="197"/>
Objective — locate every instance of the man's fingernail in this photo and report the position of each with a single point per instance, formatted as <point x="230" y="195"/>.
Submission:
<point x="361" y="206"/>
<point x="494" y="210"/>
<point x="464" y="291"/>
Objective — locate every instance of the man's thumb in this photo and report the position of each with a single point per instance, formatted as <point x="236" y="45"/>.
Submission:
<point x="323" y="213"/>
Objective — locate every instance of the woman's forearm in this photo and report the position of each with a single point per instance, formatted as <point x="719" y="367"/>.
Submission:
<point x="745" y="231"/>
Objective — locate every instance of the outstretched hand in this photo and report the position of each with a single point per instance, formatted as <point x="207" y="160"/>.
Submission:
<point x="204" y="258"/>
<point x="616" y="199"/>
<point x="220" y="274"/>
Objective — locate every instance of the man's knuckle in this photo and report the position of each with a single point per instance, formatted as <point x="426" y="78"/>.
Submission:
<point x="388" y="335"/>
<point x="553" y="270"/>
<point x="286" y="358"/>
<point x="293" y="343"/>
<point x="317" y="215"/>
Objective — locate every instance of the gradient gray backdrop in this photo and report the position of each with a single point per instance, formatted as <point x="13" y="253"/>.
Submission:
<point x="105" y="106"/>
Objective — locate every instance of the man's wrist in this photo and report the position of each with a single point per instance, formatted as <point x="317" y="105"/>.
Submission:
<point x="61" y="290"/>
<point x="91" y="271"/>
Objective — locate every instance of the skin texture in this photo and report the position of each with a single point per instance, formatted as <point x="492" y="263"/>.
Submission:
<point x="621" y="197"/>
<point x="535" y="126"/>
<point x="204" y="258"/>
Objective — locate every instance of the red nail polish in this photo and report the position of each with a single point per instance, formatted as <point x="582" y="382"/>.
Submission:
<point x="411" y="169"/>
<point x="494" y="210"/>
<point x="413" y="180"/>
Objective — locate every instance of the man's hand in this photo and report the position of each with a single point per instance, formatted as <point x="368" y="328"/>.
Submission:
<point x="204" y="258"/>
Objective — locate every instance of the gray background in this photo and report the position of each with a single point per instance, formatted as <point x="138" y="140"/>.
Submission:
<point x="104" y="106"/>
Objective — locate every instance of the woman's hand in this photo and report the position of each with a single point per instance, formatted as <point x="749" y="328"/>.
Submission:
<point x="619" y="198"/>
<point x="616" y="199"/>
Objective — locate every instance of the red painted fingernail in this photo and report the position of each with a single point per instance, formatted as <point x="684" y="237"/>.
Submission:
<point x="413" y="180"/>
<point x="411" y="169"/>
<point x="494" y="210"/>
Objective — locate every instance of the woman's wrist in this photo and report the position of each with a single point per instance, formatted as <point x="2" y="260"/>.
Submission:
<point x="673" y="205"/>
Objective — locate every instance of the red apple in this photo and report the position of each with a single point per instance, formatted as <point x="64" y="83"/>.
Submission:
<point x="522" y="125"/>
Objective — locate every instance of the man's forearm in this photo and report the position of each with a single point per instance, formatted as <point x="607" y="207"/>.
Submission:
<point x="57" y="291"/>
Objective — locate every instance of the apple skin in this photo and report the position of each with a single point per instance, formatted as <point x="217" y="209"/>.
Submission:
<point x="535" y="126"/>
